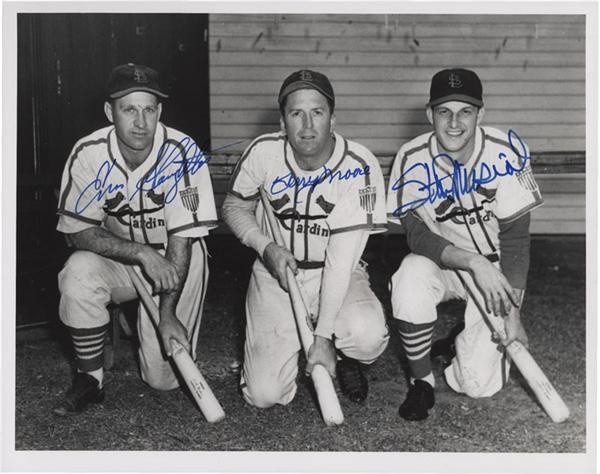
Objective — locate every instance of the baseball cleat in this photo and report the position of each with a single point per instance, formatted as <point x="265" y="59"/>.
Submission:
<point x="84" y="392"/>
<point x="420" y="398"/>
<point x="352" y="380"/>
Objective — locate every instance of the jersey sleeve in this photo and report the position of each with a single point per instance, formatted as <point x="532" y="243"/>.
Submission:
<point x="190" y="208"/>
<point x="517" y="193"/>
<point x="248" y="175"/>
<point x="361" y="204"/>
<point x="80" y="201"/>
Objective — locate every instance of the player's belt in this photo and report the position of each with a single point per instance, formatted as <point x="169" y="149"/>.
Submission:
<point x="308" y="265"/>
<point x="492" y="257"/>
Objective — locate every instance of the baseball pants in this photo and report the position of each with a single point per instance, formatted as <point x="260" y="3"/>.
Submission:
<point x="480" y="367"/>
<point x="272" y="342"/>
<point x="88" y="282"/>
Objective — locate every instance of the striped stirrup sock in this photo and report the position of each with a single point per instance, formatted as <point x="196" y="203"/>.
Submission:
<point x="89" y="347"/>
<point x="416" y="341"/>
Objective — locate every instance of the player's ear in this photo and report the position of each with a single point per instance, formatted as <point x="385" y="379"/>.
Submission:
<point x="429" y="113"/>
<point x="480" y="114"/>
<point x="332" y="123"/>
<point x="108" y="111"/>
<point x="282" y="125"/>
<point x="159" y="110"/>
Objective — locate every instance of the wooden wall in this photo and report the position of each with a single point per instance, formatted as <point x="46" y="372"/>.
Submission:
<point x="532" y="67"/>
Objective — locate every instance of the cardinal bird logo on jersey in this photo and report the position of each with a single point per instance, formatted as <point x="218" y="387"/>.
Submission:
<point x="190" y="198"/>
<point x="323" y="204"/>
<point x="157" y="199"/>
<point x="279" y="203"/>
<point x="112" y="203"/>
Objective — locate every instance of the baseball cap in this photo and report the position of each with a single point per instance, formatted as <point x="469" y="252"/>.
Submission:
<point x="455" y="84"/>
<point x="130" y="77"/>
<point x="306" y="79"/>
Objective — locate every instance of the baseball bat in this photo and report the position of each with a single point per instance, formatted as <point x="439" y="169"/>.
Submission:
<point x="543" y="389"/>
<point x="196" y="383"/>
<point x="328" y="400"/>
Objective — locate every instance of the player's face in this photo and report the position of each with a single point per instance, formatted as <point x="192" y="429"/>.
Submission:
<point x="308" y="123"/>
<point x="135" y="117"/>
<point x="455" y="124"/>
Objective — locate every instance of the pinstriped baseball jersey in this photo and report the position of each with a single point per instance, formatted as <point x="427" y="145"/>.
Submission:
<point x="346" y="194"/>
<point x="466" y="203"/>
<point x="169" y="193"/>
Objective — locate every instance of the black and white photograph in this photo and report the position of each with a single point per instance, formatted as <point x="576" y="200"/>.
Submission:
<point x="319" y="237"/>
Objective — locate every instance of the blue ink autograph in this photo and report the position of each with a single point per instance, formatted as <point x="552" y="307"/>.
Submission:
<point x="100" y="185"/>
<point x="172" y="153"/>
<point x="460" y="181"/>
<point x="291" y="181"/>
<point x="186" y="154"/>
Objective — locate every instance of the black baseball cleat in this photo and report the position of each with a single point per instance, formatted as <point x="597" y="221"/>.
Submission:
<point x="420" y="398"/>
<point x="351" y="379"/>
<point x="84" y="392"/>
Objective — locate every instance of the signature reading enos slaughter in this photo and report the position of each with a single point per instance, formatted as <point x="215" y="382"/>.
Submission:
<point x="174" y="160"/>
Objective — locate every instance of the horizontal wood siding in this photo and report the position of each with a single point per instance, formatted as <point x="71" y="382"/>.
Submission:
<point x="532" y="67"/>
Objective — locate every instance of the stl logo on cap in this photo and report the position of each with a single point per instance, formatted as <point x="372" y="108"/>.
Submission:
<point x="454" y="81"/>
<point x="140" y="76"/>
<point x="306" y="76"/>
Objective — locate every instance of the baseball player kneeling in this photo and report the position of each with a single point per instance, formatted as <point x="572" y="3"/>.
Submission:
<point x="327" y="194"/>
<point x="463" y="194"/>
<point x="134" y="193"/>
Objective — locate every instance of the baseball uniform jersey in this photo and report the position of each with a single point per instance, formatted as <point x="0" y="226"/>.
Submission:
<point x="465" y="205"/>
<point x="170" y="193"/>
<point x="346" y="194"/>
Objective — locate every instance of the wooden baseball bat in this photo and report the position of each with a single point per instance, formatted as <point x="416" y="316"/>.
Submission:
<point x="326" y="395"/>
<point x="543" y="389"/>
<point x="196" y="383"/>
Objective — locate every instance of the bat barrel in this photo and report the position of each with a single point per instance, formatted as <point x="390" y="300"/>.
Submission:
<point x="546" y="394"/>
<point x="328" y="401"/>
<point x="204" y="396"/>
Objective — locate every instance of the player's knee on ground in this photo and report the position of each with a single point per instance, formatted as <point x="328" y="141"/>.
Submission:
<point x="474" y="386"/>
<point x="364" y="334"/>
<point x="415" y="290"/>
<point x="480" y="367"/>
<point x="156" y="370"/>
<point x="265" y="394"/>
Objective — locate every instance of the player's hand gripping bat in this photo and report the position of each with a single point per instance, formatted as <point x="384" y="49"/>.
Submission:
<point x="328" y="400"/>
<point x="203" y="395"/>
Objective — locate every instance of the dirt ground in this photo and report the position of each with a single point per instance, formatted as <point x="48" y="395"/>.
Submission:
<point x="135" y="417"/>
